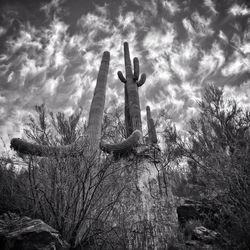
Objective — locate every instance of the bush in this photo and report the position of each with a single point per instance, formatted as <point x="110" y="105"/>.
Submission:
<point x="219" y="160"/>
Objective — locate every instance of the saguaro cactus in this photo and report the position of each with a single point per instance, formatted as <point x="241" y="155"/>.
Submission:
<point x="132" y="103"/>
<point x="93" y="132"/>
<point x="151" y="127"/>
<point x="132" y="106"/>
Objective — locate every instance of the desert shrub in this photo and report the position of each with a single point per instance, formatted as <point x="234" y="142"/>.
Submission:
<point x="70" y="194"/>
<point x="219" y="159"/>
<point x="13" y="187"/>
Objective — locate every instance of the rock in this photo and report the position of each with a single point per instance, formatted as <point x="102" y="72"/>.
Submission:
<point x="24" y="233"/>
<point x="205" y="235"/>
<point x="203" y="239"/>
<point x="199" y="237"/>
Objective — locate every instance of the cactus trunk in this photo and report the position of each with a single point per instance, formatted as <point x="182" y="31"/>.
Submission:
<point x="128" y="125"/>
<point x="132" y="91"/>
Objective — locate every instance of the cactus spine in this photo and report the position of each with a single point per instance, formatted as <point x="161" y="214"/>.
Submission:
<point x="93" y="132"/>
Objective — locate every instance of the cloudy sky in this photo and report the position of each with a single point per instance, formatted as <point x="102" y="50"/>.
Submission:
<point x="50" y="52"/>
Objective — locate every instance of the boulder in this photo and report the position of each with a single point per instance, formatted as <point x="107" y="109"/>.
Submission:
<point x="24" y="233"/>
<point x="205" y="235"/>
<point x="203" y="239"/>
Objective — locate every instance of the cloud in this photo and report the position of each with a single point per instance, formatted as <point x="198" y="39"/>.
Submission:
<point x="188" y="26"/>
<point x="103" y="10"/>
<point x="241" y="94"/>
<point x="211" y="62"/>
<point x="223" y="36"/>
<point x="236" y="65"/>
<point x="201" y="24"/>
<point x="53" y="8"/>
<point x="171" y="6"/>
<point x="239" y="10"/>
<point x="183" y="59"/>
<point x="2" y="31"/>
<point x="36" y="62"/>
<point x="159" y="44"/>
<point x="211" y="5"/>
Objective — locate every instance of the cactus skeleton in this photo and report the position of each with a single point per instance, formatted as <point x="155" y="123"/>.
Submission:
<point x="93" y="132"/>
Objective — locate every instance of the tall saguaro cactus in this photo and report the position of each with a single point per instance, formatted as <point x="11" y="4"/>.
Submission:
<point x="132" y="106"/>
<point x="93" y="132"/>
<point x="132" y="103"/>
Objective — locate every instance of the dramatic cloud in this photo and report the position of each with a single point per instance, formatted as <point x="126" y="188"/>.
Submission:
<point x="50" y="52"/>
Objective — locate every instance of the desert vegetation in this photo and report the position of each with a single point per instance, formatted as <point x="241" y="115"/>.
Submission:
<point x="217" y="174"/>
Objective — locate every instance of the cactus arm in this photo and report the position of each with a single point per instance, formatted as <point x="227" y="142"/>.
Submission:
<point x="93" y="132"/>
<point x="142" y="80"/>
<point x="121" y="77"/>
<point x="136" y="69"/>
<point x="124" y="146"/>
<point x="71" y="150"/>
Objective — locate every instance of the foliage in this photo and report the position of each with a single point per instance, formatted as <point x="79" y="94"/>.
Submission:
<point x="13" y="187"/>
<point x="65" y="192"/>
<point x="219" y="159"/>
<point x="113" y="127"/>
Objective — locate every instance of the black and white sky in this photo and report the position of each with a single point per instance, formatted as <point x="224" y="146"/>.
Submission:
<point x="50" y="52"/>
